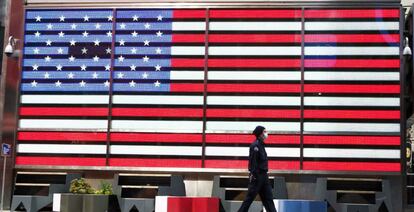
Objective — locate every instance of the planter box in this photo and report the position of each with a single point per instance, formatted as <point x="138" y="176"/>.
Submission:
<point x="84" y="202"/>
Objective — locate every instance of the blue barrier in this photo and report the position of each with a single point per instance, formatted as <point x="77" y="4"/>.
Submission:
<point x="289" y="205"/>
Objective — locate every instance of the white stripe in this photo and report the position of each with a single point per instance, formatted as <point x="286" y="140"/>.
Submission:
<point x="331" y="26"/>
<point x="351" y="153"/>
<point x="223" y="126"/>
<point x="157" y="100"/>
<point x="188" y="26"/>
<point x="253" y="100"/>
<point x="187" y="50"/>
<point x="352" y="101"/>
<point x="352" y="76"/>
<point x="363" y="50"/>
<point x="254" y="50"/>
<point x="244" y="151"/>
<point x="62" y="124"/>
<point x="255" y="26"/>
<point x="187" y="75"/>
<point x="156" y="150"/>
<point x="61" y="148"/>
<point x="254" y="75"/>
<point x="157" y="126"/>
<point x="350" y="127"/>
<point x="64" y="99"/>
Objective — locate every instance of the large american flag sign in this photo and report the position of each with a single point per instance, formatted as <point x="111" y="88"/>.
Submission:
<point x="185" y="88"/>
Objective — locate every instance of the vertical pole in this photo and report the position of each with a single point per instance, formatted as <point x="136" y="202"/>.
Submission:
<point x="2" y="183"/>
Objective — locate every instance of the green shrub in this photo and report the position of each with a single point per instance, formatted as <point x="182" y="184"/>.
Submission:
<point x="106" y="188"/>
<point x="80" y="186"/>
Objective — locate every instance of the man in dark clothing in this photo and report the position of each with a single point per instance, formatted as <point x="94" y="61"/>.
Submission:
<point x="258" y="178"/>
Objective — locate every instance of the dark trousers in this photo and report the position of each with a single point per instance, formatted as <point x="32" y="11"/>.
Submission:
<point x="262" y="187"/>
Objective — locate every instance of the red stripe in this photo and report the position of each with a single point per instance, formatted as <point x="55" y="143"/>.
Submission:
<point x="156" y="137"/>
<point x="185" y="63"/>
<point x="254" y="38"/>
<point x="350" y="13"/>
<point x="352" y="114"/>
<point x="324" y="88"/>
<point x="257" y="88"/>
<point x="61" y="136"/>
<point x="157" y="112"/>
<point x="188" y="38"/>
<point x="60" y="161"/>
<point x="186" y="87"/>
<point x="63" y="111"/>
<point x="242" y="164"/>
<point x="247" y="139"/>
<point x="252" y="113"/>
<point x="361" y="38"/>
<point x="352" y="140"/>
<point x="351" y="166"/>
<point x="155" y="162"/>
<point x="189" y="13"/>
<point x="255" y="13"/>
<point x="252" y="63"/>
<point x="352" y="63"/>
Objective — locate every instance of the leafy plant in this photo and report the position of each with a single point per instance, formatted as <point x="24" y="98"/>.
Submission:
<point x="106" y="188"/>
<point x="80" y="186"/>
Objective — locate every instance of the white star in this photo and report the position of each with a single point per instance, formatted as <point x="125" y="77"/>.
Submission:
<point x="83" y="67"/>
<point x="72" y="58"/>
<point x="72" y="42"/>
<point x="60" y="51"/>
<point x="86" y="18"/>
<point x="97" y="42"/>
<point x="47" y="75"/>
<point x="108" y="50"/>
<point x="106" y="83"/>
<point x="110" y="18"/>
<point x="134" y="34"/>
<point x="109" y="34"/>
<point x="146" y="58"/>
<point x="159" y="18"/>
<point x="157" y="68"/>
<point x="107" y="67"/>
<point x="123" y="26"/>
<point x="134" y="50"/>
<point x="59" y="67"/>
<point x="35" y="67"/>
<point x="122" y="43"/>
<point x="49" y="26"/>
<point x="71" y="75"/>
<point x="84" y="50"/>
<point x="82" y="83"/>
<point x="58" y="83"/>
<point x="38" y="18"/>
<point x="74" y="26"/>
<point x="158" y="50"/>
<point x="37" y="34"/>
<point x="133" y="67"/>
<point x="120" y="75"/>
<point x="145" y="75"/>
<point x="121" y="58"/>
<point x="47" y="59"/>
<point x="96" y="58"/>
<point x="157" y="84"/>
<point x="36" y="50"/>
<point x="97" y="26"/>
<point x="159" y="34"/>
<point x="61" y="34"/>
<point x="85" y="34"/>
<point x="62" y="18"/>
<point x="146" y="42"/>
<point x="95" y="75"/>
<point x="132" y="83"/>
<point x="135" y="18"/>
<point x="48" y="43"/>
<point x="147" y="25"/>
<point x="34" y="83"/>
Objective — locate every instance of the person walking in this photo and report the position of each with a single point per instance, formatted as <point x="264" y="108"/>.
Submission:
<point x="258" y="177"/>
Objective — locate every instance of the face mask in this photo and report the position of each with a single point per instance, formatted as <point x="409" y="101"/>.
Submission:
<point x="265" y="135"/>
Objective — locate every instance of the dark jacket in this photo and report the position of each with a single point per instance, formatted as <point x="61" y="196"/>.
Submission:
<point x="258" y="158"/>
